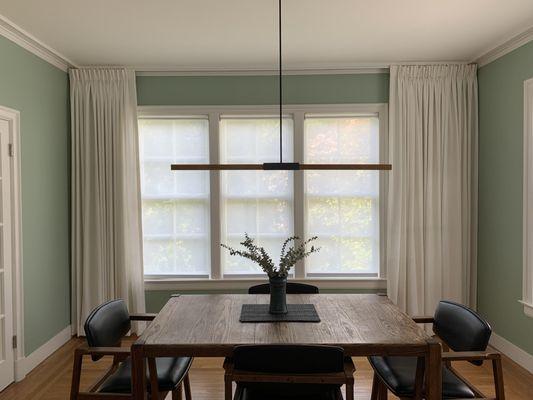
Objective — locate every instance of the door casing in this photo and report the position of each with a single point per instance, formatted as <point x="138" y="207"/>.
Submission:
<point x="13" y="118"/>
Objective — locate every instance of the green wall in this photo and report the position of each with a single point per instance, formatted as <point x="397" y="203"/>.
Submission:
<point x="500" y="195"/>
<point x="260" y="90"/>
<point x="40" y="92"/>
<point x="256" y="90"/>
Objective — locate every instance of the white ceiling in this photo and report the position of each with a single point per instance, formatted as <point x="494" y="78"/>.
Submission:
<point x="242" y="34"/>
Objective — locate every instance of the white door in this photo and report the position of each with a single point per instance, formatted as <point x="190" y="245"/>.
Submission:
<point x="7" y="359"/>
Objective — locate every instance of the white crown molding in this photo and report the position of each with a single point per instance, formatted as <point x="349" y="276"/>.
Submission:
<point x="26" y="40"/>
<point x="504" y="48"/>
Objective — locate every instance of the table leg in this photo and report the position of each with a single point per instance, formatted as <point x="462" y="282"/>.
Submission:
<point x="434" y="370"/>
<point x="138" y="372"/>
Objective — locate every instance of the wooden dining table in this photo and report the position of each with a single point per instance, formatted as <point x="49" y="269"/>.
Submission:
<point x="209" y="326"/>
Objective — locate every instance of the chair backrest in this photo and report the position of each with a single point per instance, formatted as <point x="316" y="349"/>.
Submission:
<point x="288" y="359"/>
<point x="107" y="324"/>
<point x="292" y="288"/>
<point x="461" y="328"/>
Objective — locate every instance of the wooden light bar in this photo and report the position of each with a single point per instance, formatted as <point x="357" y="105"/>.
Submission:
<point x="285" y="166"/>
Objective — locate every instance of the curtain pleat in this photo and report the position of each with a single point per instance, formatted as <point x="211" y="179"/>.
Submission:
<point x="106" y="205"/>
<point x="432" y="197"/>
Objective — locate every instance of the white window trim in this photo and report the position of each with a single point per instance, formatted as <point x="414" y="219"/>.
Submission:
<point x="217" y="281"/>
<point x="527" y="249"/>
<point x="243" y="284"/>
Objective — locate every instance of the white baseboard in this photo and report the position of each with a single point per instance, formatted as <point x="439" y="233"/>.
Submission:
<point x="515" y="353"/>
<point x="23" y="366"/>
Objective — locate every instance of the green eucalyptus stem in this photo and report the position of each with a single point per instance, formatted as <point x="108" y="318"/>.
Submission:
<point x="290" y="255"/>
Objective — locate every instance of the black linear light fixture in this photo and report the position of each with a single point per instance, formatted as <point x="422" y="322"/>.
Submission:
<point x="279" y="166"/>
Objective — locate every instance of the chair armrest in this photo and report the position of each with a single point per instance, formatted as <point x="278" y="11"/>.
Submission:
<point x="103" y="351"/>
<point x="143" y="317"/>
<point x="423" y="320"/>
<point x="469" y="355"/>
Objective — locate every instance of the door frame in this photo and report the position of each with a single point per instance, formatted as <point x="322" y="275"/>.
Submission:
<point x="13" y="118"/>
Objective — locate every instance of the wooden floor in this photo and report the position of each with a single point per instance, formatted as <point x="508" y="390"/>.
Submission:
<point x="51" y="380"/>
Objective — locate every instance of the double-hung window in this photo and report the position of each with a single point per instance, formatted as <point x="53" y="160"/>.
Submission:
<point x="187" y="214"/>
<point x="342" y="207"/>
<point x="259" y="203"/>
<point x="175" y="205"/>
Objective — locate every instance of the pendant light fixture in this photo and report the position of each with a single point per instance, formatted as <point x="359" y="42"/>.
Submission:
<point x="279" y="166"/>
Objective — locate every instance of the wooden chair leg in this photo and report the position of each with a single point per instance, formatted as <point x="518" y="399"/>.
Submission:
<point x="419" y="378"/>
<point x="497" y="371"/>
<point x="187" y="387"/>
<point x="154" y="384"/>
<point x="349" y="391"/>
<point x="379" y="390"/>
<point x="76" y="375"/>
<point x="375" y="387"/>
<point x="228" y="389"/>
<point x="382" y="391"/>
<point x="177" y="394"/>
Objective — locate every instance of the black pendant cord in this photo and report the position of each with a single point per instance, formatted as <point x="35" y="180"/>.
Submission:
<point x="280" y="89"/>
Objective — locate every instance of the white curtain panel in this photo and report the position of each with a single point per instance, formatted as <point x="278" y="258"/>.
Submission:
<point x="432" y="201"/>
<point x="106" y="205"/>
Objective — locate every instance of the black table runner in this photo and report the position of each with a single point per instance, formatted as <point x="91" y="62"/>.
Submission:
<point x="296" y="313"/>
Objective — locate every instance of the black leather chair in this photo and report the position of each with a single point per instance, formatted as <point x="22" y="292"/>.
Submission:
<point x="461" y="330"/>
<point x="292" y="288"/>
<point x="105" y="328"/>
<point x="288" y="372"/>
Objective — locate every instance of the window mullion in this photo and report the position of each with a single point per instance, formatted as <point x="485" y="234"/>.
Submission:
<point x="298" y="181"/>
<point x="214" y="182"/>
<point x="383" y="190"/>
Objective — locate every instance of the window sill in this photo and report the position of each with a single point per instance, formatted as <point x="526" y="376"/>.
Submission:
<point x="528" y="308"/>
<point x="245" y="283"/>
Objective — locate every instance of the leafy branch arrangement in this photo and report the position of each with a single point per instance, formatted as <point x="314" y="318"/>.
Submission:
<point x="289" y="255"/>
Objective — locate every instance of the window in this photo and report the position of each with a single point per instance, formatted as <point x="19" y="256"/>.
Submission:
<point x="175" y="205"/>
<point x="342" y="207"/>
<point x="257" y="202"/>
<point x="186" y="215"/>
